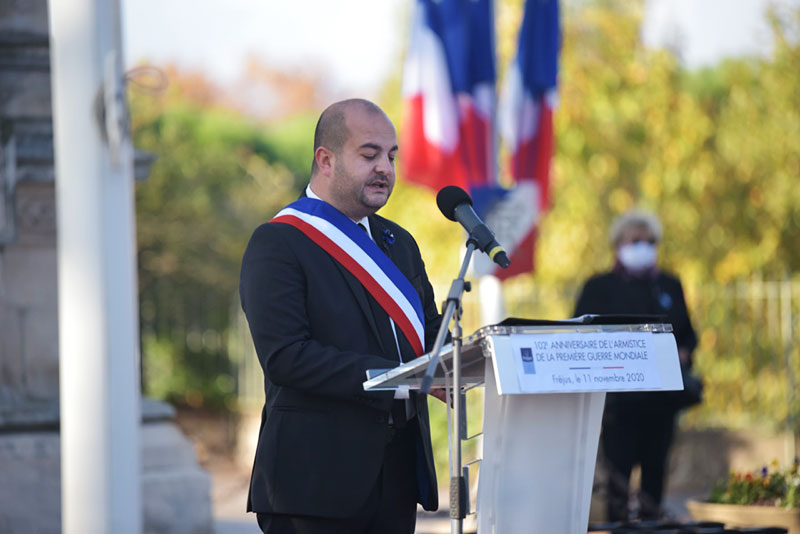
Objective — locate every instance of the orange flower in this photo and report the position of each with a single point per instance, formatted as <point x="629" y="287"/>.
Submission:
<point x="748" y="477"/>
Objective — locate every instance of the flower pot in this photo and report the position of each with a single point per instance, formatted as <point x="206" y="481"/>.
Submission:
<point x="737" y="515"/>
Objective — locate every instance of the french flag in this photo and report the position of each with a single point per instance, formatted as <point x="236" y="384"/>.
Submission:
<point x="526" y="127"/>
<point x="448" y="135"/>
<point x="449" y="93"/>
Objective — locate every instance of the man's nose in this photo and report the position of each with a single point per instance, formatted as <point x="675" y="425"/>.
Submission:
<point x="384" y="166"/>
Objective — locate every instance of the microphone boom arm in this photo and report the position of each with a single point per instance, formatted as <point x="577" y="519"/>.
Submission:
<point x="457" y="289"/>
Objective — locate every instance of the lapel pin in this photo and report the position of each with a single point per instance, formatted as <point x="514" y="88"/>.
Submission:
<point x="388" y="237"/>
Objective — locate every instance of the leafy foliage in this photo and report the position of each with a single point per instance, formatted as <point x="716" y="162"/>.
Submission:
<point x="715" y="153"/>
<point x="216" y="177"/>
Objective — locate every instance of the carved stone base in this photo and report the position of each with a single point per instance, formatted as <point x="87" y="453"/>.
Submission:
<point x="175" y="490"/>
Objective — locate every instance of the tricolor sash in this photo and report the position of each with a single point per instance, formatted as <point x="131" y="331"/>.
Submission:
<point x="340" y="237"/>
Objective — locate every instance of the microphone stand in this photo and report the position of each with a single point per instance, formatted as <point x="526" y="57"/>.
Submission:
<point x="459" y="498"/>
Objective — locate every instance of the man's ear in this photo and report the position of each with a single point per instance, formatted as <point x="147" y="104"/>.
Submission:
<point x="325" y="159"/>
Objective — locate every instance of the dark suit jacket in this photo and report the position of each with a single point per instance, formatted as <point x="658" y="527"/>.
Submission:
<point x="662" y="294"/>
<point x="314" y="327"/>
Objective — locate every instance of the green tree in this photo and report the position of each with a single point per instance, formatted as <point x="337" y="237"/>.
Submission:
<point x="216" y="177"/>
<point x="715" y="153"/>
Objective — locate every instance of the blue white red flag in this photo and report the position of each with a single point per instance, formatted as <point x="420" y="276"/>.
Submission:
<point x="448" y="129"/>
<point x="449" y="93"/>
<point x="526" y="126"/>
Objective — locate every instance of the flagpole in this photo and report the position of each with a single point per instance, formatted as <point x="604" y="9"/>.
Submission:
<point x="493" y="306"/>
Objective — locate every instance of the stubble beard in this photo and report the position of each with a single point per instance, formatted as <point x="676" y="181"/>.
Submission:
<point x="376" y="202"/>
<point x="360" y="194"/>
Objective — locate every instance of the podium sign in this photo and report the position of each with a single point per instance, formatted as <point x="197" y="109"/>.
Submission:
<point x="576" y="362"/>
<point x="545" y="388"/>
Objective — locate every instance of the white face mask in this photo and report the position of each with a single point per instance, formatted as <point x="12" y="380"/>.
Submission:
<point x="637" y="256"/>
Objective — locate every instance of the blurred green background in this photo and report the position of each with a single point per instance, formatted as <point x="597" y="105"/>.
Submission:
<point x="715" y="153"/>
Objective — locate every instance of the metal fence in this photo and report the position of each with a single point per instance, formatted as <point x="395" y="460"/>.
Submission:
<point x="747" y="353"/>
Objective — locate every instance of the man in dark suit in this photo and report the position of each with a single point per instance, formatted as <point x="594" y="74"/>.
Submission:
<point x="330" y="456"/>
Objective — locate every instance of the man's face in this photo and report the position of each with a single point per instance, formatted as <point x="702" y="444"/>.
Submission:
<point x="363" y="173"/>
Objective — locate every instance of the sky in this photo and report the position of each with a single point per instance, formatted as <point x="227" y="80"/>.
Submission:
<point x="703" y="31"/>
<point x="355" y="44"/>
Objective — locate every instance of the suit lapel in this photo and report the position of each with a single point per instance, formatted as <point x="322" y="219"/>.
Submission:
<point x="359" y="293"/>
<point x="370" y="308"/>
<point x="381" y="317"/>
<point x="379" y="230"/>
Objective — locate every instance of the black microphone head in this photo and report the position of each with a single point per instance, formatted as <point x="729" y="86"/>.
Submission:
<point x="449" y="198"/>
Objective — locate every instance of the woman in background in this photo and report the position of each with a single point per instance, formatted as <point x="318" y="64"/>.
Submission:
<point x="638" y="426"/>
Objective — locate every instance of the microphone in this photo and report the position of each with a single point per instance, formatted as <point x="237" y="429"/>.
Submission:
<point x="456" y="205"/>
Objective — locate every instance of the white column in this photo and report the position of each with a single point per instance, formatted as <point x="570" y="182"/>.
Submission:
<point x="98" y="340"/>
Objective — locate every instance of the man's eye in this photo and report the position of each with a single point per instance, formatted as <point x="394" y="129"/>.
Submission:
<point x="368" y="156"/>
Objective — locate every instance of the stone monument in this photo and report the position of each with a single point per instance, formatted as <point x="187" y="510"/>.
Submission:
<point x="175" y="490"/>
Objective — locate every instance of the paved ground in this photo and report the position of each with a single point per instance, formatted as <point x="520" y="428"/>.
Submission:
<point x="211" y="435"/>
<point x="229" y="496"/>
<point x="230" y="481"/>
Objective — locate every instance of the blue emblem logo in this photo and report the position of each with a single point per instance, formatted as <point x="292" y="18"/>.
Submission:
<point x="527" y="361"/>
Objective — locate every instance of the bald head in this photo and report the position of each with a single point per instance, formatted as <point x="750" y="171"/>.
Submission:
<point x="355" y="146"/>
<point x="332" y="131"/>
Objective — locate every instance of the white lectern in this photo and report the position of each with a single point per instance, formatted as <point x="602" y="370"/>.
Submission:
<point x="545" y="387"/>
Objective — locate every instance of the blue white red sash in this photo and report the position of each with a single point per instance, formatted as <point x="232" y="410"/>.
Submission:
<point x="340" y="237"/>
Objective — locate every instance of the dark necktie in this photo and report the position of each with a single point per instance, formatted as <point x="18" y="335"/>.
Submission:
<point x="388" y="335"/>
